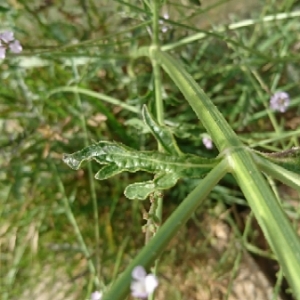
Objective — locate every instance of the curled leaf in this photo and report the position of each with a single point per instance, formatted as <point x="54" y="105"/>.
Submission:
<point x="118" y="158"/>
<point x="161" y="133"/>
<point x="141" y="190"/>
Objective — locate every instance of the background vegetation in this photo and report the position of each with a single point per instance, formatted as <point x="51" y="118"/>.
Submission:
<point x="45" y="207"/>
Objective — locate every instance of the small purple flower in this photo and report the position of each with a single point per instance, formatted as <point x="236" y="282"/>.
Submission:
<point x="15" y="47"/>
<point x="7" y="40"/>
<point x="280" y="101"/>
<point x="96" y="295"/>
<point x="7" y="36"/>
<point x="142" y="284"/>
<point x="207" y="142"/>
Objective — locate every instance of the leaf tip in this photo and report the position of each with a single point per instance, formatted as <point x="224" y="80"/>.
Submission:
<point x="71" y="161"/>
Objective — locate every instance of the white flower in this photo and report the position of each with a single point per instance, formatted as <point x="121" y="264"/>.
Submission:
<point x="142" y="284"/>
<point x="96" y="295"/>
<point x="207" y="142"/>
<point x="166" y="16"/>
<point x="164" y="27"/>
<point x="280" y="101"/>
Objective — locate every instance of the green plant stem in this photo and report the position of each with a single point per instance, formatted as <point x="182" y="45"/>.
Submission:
<point x="96" y="95"/>
<point x="168" y="230"/>
<point x="268" y="110"/>
<point x="118" y="260"/>
<point x="92" y="191"/>
<point x="270" y="216"/>
<point x="91" y="181"/>
<point x="214" y="122"/>
<point x="234" y="26"/>
<point x="151" y="225"/>
<point x="11" y="276"/>
<point x="234" y="272"/>
<point x="75" y="226"/>
<point x="111" y="119"/>
<point x="285" y="176"/>
<point x="156" y="66"/>
<point x="158" y="201"/>
<point x="278" y="285"/>
<point x="276" y="227"/>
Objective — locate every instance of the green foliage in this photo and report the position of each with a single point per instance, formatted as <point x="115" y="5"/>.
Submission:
<point x="162" y="134"/>
<point x="78" y="81"/>
<point x="288" y="159"/>
<point x="168" y="168"/>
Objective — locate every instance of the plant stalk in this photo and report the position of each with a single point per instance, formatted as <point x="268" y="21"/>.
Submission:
<point x="168" y="230"/>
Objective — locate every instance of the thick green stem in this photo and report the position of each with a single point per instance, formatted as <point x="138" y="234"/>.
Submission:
<point x="285" y="176"/>
<point x="268" y="212"/>
<point x="168" y="230"/>
<point x="270" y="216"/>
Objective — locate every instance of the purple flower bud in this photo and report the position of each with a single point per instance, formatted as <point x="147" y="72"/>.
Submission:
<point x="207" y="142"/>
<point x="7" y="36"/>
<point x="15" y="47"/>
<point x="142" y="285"/>
<point x="138" y="273"/>
<point x="280" y="101"/>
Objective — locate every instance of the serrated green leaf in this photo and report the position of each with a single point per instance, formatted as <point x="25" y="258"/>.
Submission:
<point x="118" y="158"/>
<point x="131" y="160"/>
<point x="141" y="190"/>
<point x="161" y="133"/>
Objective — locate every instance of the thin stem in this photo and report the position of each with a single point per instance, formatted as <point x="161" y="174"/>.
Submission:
<point x="91" y="180"/>
<point x="102" y="97"/>
<point x="272" y="169"/>
<point x="152" y="224"/>
<point x="76" y="229"/>
<point x="156" y="66"/>
<point x="158" y="201"/>
<point x="268" y="110"/>
<point x="234" y="26"/>
<point x="278" y="285"/>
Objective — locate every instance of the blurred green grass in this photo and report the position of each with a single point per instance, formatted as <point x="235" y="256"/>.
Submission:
<point x="87" y="44"/>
